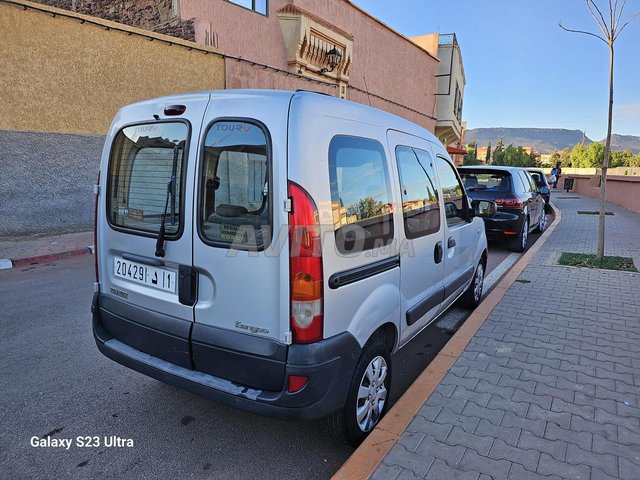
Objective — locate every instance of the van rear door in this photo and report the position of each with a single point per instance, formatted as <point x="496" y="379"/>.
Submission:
<point x="143" y="302"/>
<point x="240" y="248"/>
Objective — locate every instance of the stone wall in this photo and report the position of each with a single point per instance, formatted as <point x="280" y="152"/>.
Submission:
<point x="46" y="182"/>
<point x="160" y="16"/>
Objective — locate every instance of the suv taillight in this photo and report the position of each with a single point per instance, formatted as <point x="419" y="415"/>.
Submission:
<point x="95" y="225"/>
<point x="509" y="202"/>
<point x="305" y="268"/>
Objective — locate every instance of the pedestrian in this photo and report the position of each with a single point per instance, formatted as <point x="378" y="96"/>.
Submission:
<point x="558" y="173"/>
<point x="553" y="178"/>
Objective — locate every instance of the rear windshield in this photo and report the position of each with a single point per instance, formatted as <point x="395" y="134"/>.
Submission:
<point x="145" y="177"/>
<point x="234" y="185"/>
<point x="491" y="181"/>
<point x="538" y="178"/>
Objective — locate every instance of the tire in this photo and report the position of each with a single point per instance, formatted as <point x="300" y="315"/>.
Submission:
<point x="375" y="364"/>
<point x="519" y="244"/>
<point x="473" y="295"/>
<point x="542" y="224"/>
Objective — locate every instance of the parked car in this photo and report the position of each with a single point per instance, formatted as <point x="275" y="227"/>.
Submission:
<point x="519" y="200"/>
<point x="270" y="250"/>
<point x="543" y="185"/>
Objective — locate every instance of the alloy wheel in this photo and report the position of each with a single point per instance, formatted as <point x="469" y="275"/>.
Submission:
<point x="372" y="394"/>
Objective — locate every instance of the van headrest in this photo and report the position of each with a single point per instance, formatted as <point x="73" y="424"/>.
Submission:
<point x="225" y="210"/>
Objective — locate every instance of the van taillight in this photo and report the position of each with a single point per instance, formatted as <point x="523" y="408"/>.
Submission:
<point x="95" y="225"/>
<point x="305" y="268"/>
<point x="509" y="202"/>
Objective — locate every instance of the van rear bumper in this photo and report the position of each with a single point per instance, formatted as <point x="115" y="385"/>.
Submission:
<point x="329" y="365"/>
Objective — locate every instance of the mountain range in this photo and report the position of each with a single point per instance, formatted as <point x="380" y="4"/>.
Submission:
<point x="545" y="140"/>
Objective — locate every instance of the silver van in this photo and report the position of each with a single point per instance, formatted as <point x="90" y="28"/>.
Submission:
<point x="271" y="249"/>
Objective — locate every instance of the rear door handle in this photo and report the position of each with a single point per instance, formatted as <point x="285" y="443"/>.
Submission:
<point x="187" y="285"/>
<point x="451" y="242"/>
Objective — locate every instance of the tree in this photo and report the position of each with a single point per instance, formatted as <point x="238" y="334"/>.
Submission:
<point x="565" y="157"/>
<point x="595" y="155"/>
<point x="578" y="156"/>
<point x="498" y="153"/>
<point x="610" y="30"/>
<point x="365" y="208"/>
<point x="471" y="158"/>
<point x="487" y="157"/>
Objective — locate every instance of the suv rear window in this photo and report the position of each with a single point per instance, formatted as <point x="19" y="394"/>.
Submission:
<point x="144" y="160"/>
<point x="234" y="186"/>
<point x="492" y="181"/>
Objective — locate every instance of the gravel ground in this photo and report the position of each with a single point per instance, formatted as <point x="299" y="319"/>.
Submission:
<point x="46" y="182"/>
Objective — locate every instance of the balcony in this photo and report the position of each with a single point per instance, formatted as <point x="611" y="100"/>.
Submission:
<point x="451" y="83"/>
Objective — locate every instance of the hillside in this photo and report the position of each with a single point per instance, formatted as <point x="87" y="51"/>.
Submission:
<point x="623" y="142"/>
<point x="545" y="140"/>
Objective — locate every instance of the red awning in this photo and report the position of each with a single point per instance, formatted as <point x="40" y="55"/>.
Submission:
<point x="451" y="150"/>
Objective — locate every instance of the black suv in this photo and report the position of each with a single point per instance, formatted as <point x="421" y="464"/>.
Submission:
<point x="521" y="207"/>
<point x="541" y="181"/>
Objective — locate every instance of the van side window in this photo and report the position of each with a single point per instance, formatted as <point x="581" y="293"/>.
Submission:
<point x="234" y="186"/>
<point x="452" y="193"/>
<point x="361" y="199"/>
<point x="420" y="207"/>
<point x="145" y="177"/>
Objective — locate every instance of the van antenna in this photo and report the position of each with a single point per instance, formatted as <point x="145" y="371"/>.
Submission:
<point x="367" y="89"/>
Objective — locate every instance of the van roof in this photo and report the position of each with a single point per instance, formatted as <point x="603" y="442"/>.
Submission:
<point x="317" y="101"/>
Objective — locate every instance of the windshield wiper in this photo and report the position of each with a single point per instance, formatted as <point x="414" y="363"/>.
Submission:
<point x="171" y="193"/>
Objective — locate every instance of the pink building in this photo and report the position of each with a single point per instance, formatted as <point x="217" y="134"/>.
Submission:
<point x="285" y="44"/>
<point x="376" y="65"/>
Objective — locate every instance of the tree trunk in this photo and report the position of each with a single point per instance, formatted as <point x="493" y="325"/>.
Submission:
<point x="605" y="162"/>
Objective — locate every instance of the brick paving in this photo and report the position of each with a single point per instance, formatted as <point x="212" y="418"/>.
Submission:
<point x="549" y="387"/>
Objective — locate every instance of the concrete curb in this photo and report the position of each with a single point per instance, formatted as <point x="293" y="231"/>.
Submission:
<point x="364" y="461"/>
<point x="21" y="262"/>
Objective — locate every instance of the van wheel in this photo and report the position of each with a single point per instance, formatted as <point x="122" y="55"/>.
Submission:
<point x="368" y="397"/>
<point x="471" y="298"/>
<point x="519" y="244"/>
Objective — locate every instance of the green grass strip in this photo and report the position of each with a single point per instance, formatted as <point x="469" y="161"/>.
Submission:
<point x="590" y="261"/>
<point x="592" y="212"/>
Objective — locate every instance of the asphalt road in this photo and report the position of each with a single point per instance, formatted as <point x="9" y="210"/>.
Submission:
<point x="55" y="383"/>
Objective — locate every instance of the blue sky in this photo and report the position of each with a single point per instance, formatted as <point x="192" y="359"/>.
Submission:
<point x="522" y="70"/>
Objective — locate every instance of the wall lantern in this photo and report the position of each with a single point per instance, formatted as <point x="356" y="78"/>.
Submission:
<point x="333" y="58"/>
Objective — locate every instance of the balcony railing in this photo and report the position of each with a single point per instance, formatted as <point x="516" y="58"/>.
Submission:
<point x="447" y="39"/>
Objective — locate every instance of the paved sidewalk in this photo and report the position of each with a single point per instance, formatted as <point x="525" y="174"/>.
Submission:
<point x="26" y="251"/>
<point x="549" y="387"/>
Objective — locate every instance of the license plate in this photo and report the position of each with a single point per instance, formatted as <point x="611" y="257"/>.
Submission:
<point x="151" y="276"/>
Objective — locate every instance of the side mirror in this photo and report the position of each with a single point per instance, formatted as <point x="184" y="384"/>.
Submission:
<point x="484" y="208"/>
<point x="545" y="190"/>
<point x="450" y="210"/>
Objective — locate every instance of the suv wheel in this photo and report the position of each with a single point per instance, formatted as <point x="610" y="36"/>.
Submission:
<point x="519" y="244"/>
<point x="471" y="298"/>
<point x="368" y="397"/>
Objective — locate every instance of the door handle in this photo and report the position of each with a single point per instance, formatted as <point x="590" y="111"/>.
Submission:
<point x="187" y="285"/>
<point x="451" y="242"/>
<point x="437" y="252"/>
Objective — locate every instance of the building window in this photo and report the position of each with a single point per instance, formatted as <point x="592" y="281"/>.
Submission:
<point x="259" y="6"/>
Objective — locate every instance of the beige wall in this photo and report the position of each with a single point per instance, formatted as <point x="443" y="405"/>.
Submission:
<point x="385" y="63"/>
<point x="621" y="190"/>
<point x="60" y="75"/>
